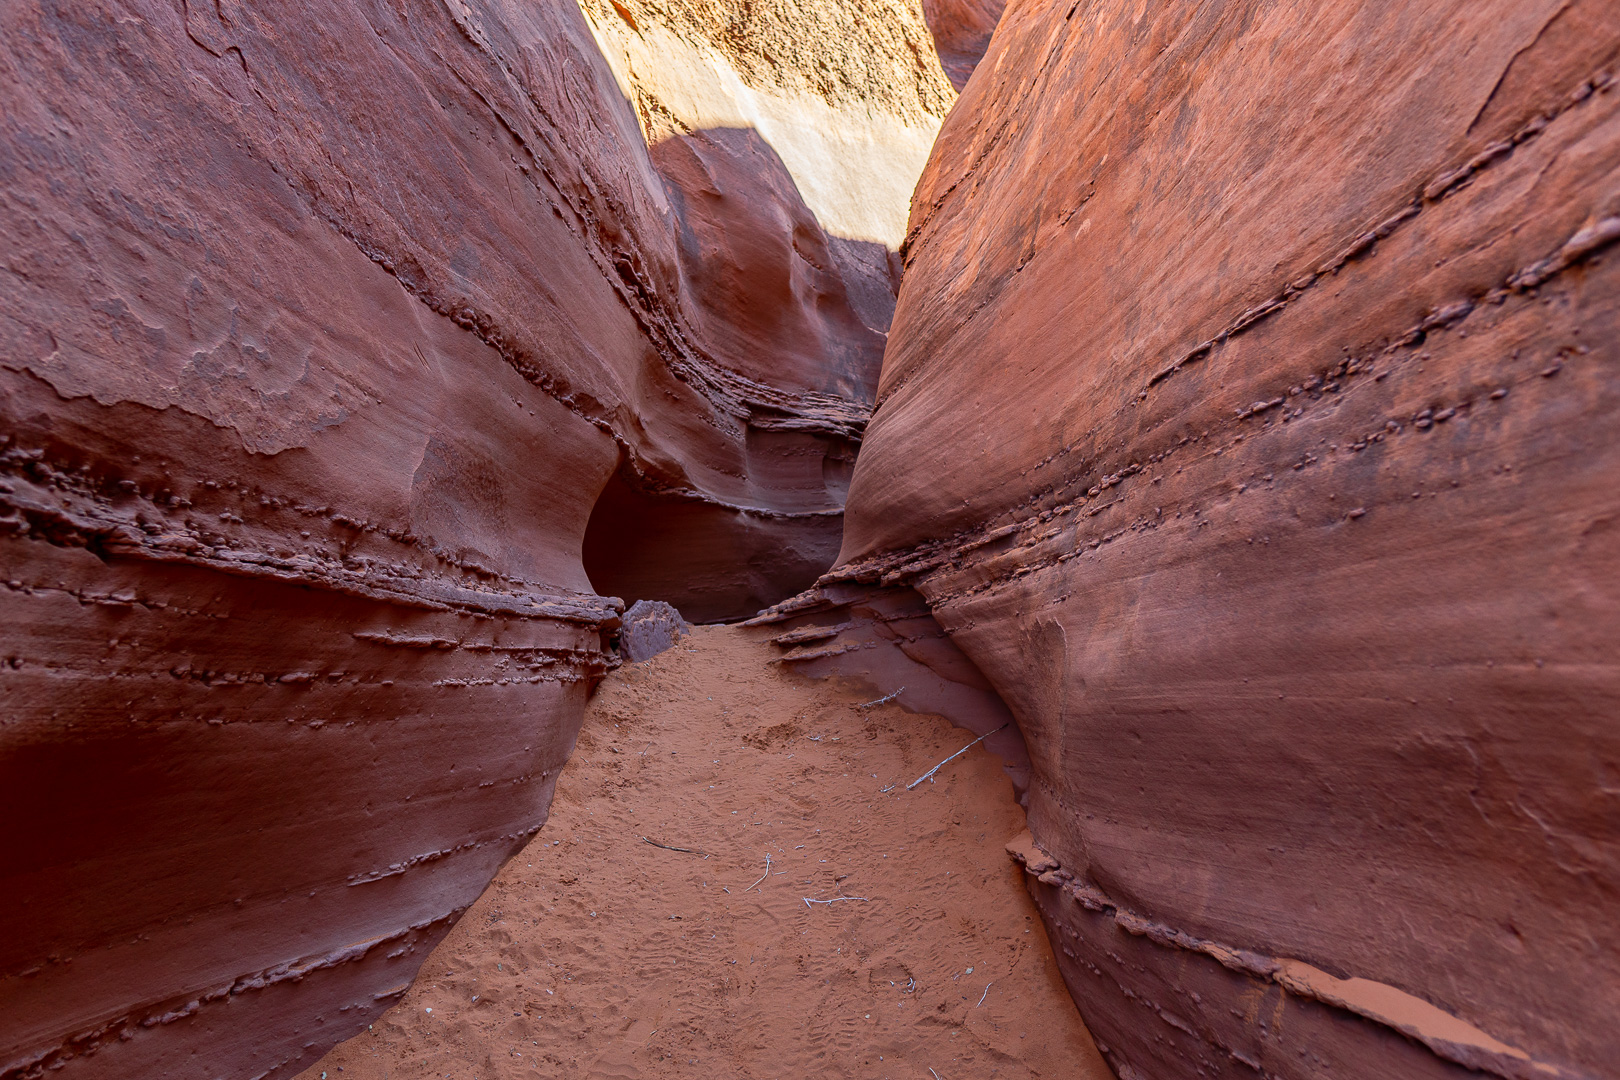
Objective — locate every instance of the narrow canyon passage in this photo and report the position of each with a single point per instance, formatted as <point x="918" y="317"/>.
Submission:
<point x="1215" y="406"/>
<point x="596" y="953"/>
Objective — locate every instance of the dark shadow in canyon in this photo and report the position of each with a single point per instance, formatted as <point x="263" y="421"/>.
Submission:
<point x="713" y="563"/>
<point x="779" y="301"/>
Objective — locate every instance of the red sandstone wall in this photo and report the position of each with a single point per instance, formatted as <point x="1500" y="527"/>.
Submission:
<point x="323" y="328"/>
<point x="1250" y="417"/>
<point x="962" y="30"/>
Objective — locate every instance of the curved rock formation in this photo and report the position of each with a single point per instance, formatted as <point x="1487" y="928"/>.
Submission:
<point x="1250" y="418"/>
<point x="962" y="30"/>
<point x="788" y="138"/>
<point x="323" y="330"/>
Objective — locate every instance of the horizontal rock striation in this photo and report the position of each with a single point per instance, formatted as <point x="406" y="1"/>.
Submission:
<point x="887" y="643"/>
<point x="1250" y="419"/>
<point x="323" y="331"/>
<point x="788" y="139"/>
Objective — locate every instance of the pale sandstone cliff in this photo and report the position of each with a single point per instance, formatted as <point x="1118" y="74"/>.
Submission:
<point x="1250" y="418"/>
<point x="323" y="329"/>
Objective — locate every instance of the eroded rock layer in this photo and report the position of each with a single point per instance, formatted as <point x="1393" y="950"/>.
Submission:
<point x="788" y="138"/>
<point x="1250" y="418"/>
<point x="886" y="642"/>
<point x="323" y="329"/>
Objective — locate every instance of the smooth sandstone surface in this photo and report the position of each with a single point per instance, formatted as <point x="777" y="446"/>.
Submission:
<point x="962" y="30"/>
<point x="1250" y="419"/>
<point x="324" y="328"/>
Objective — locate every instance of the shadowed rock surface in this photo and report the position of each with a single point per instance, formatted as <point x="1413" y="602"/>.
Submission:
<point x="1250" y="419"/>
<point x="962" y="30"/>
<point x="887" y="642"/>
<point x="323" y="329"/>
<point x="650" y="627"/>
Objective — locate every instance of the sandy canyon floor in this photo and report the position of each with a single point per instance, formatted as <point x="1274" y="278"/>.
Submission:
<point x="599" y="953"/>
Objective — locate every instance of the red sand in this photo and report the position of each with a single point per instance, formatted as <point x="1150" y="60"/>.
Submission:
<point x="596" y="954"/>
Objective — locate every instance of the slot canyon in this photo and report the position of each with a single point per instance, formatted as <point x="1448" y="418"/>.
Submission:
<point x="872" y="538"/>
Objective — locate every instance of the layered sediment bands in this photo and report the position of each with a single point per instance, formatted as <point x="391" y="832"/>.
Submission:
<point x="788" y="139"/>
<point x="887" y="643"/>
<point x="1278" y="341"/>
<point x="323" y="330"/>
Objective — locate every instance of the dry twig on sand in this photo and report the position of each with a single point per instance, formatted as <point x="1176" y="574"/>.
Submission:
<point x="834" y="900"/>
<point x="766" y="874"/>
<point x="953" y="757"/>
<point x="667" y="847"/>
<point x="881" y="700"/>
<point x="986" y="993"/>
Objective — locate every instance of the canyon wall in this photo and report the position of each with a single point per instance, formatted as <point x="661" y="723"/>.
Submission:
<point x="324" y="330"/>
<point x="1251" y="419"/>
<point x="789" y="137"/>
<point x="962" y="30"/>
